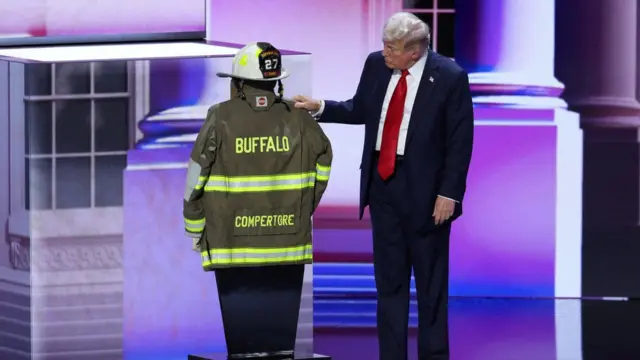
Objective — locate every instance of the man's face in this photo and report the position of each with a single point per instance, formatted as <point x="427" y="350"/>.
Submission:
<point x="397" y="56"/>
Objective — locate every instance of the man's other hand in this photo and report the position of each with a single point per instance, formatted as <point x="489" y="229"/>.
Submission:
<point x="443" y="210"/>
<point x="196" y="245"/>
<point x="307" y="103"/>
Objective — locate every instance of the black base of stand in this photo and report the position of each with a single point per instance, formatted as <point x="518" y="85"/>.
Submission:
<point x="260" y="307"/>
<point x="224" y="356"/>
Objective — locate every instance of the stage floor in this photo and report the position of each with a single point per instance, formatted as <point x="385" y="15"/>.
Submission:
<point x="489" y="329"/>
<point x="496" y="329"/>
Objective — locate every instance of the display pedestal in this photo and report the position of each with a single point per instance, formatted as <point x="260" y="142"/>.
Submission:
<point x="260" y="307"/>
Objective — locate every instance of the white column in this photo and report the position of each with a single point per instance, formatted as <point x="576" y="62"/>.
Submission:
<point x="637" y="52"/>
<point x="507" y="46"/>
<point x="637" y="77"/>
<point x="376" y="13"/>
<point x="597" y="57"/>
<point x="5" y="200"/>
<point x="598" y="61"/>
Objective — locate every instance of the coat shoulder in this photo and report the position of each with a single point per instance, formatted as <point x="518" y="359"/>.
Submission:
<point x="374" y="59"/>
<point x="448" y="66"/>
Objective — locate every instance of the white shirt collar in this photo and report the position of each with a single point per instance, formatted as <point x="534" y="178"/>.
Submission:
<point x="418" y="68"/>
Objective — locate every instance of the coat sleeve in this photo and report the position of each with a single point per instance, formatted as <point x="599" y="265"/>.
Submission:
<point x="350" y="111"/>
<point x="459" y="139"/>
<point x="201" y="160"/>
<point x="324" y="156"/>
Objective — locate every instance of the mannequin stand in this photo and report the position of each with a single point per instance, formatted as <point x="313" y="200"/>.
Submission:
<point x="260" y="307"/>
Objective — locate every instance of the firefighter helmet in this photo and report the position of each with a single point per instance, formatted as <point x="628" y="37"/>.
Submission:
<point x="259" y="61"/>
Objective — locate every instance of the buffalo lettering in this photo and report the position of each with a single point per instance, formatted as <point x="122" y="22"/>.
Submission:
<point x="262" y="144"/>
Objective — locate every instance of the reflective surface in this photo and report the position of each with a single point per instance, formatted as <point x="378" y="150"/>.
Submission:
<point x="495" y="329"/>
<point x="491" y="329"/>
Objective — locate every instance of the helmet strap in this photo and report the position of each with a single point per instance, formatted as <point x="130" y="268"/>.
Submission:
<point x="280" y="90"/>
<point x="239" y="84"/>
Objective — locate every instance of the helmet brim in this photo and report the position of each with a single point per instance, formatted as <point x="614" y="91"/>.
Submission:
<point x="283" y="75"/>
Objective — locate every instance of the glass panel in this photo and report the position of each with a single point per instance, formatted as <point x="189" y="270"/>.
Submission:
<point x="38" y="127"/>
<point x="446" y="34"/>
<point x="428" y="18"/>
<point x="73" y="126"/>
<point x="446" y="4"/>
<point x="73" y="182"/>
<point x="37" y="79"/>
<point x="112" y="124"/>
<point x="110" y="76"/>
<point x="109" y="171"/>
<point x="73" y="78"/>
<point x="38" y="176"/>
<point x="418" y="4"/>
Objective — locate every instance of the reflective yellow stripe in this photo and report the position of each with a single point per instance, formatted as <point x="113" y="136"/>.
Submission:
<point x="236" y="184"/>
<point x="323" y="172"/>
<point x="201" y="181"/>
<point x="195" y="181"/>
<point x="194" y="226"/>
<point x="256" y="255"/>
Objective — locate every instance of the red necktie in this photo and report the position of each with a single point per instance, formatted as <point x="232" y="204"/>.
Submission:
<point x="391" y="130"/>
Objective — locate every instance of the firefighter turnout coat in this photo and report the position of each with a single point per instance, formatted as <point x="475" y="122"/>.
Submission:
<point x="257" y="172"/>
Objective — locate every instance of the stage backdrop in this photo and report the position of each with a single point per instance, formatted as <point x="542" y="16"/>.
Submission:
<point x="551" y="210"/>
<point x="536" y="83"/>
<point x="520" y="234"/>
<point x="98" y="261"/>
<point x="47" y="21"/>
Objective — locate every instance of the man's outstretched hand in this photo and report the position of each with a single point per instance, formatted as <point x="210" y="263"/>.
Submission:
<point x="307" y="103"/>
<point x="443" y="210"/>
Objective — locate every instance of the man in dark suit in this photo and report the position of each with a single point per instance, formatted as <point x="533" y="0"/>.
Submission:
<point x="418" y="115"/>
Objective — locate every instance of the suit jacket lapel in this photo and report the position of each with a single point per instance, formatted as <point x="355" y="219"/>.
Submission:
<point x="380" y="91"/>
<point x="421" y="104"/>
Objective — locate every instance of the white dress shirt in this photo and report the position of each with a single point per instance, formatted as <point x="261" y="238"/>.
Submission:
<point x="413" y="81"/>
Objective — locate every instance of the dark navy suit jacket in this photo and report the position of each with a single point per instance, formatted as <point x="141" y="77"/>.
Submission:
<point x="439" y="139"/>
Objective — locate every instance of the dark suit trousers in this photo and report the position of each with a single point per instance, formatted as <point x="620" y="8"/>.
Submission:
<point x="397" y="248"/>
